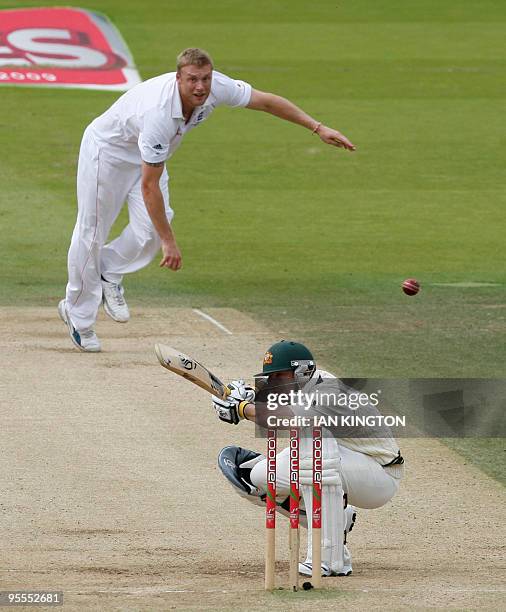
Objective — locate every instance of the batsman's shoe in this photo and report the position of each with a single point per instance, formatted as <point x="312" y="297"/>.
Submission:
<point x="347" y="570"/>
<point x="306" y="569"/>
<point x="85" y="340"/>
<point x="114" y="301"/>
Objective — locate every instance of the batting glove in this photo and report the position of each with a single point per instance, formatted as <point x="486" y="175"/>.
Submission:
<point x="231" y="410"/>
<point x="241" y="391"/>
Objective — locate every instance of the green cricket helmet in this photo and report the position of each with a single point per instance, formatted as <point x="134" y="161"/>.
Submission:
<point x="288" y="355"/>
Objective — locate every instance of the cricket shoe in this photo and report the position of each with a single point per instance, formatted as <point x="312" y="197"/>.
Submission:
<point x="114" y="301"/>
<point x="306" y="569"/>
<point x="85" y="340"/>
<point x="347" y="569"/>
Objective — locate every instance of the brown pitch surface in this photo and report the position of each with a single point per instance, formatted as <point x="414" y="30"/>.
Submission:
<point x="111" y="492"/>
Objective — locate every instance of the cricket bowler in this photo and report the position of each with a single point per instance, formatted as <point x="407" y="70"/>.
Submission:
<point x="122" y="158"/>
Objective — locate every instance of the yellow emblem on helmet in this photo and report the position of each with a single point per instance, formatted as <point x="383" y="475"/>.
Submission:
<point x="268" y="358"/>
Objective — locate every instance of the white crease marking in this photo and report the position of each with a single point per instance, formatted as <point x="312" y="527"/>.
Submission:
<point x="213" y="321"/>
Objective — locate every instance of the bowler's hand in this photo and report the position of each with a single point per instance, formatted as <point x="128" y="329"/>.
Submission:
<point x="171" y="256"/>
<point x="335" y="138"/>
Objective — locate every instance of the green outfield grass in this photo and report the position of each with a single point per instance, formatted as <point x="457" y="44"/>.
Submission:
<point x="312" y="240"/>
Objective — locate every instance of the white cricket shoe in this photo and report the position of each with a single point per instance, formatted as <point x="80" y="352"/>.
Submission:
<point x="114" y="302"/>
<point x="85" y="340"/>
<point x="306" y="568"/>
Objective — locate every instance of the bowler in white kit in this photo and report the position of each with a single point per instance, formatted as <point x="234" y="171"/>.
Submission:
<point x="122" y="158"/>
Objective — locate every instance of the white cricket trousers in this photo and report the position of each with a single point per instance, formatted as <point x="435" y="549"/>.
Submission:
<point x="366" y="483"/>
<point x="103" y="184"/>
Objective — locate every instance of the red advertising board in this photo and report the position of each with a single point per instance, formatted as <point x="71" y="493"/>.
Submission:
<point x="63" y="47"/>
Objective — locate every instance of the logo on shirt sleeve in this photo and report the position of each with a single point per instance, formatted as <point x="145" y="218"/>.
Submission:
<point x="158" y="148"/>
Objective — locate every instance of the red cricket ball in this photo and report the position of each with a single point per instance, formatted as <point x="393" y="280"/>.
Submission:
<point x="411" y="286"/>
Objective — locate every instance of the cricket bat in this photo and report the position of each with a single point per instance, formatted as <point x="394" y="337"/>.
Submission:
<point x="191" y="369"/>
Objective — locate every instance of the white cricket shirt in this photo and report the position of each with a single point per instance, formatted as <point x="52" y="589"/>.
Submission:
<point x="147" y="124"/>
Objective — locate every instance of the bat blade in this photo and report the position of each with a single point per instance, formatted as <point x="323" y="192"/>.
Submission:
<point x="189" y="368"/>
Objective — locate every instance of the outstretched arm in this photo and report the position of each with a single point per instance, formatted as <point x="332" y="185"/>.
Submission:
<point x="283" y="108"/>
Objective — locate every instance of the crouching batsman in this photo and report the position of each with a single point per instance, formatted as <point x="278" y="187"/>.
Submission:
<point x="360" y="469"/>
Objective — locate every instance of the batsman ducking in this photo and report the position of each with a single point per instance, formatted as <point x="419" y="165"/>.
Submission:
<point x="320" y="479"/>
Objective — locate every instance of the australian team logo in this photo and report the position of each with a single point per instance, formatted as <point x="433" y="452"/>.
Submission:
<point x="268" y="358"/>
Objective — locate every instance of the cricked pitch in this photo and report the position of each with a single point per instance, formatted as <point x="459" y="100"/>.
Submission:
<point x="107" y="497"/>
<point x="110" y="488"/>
